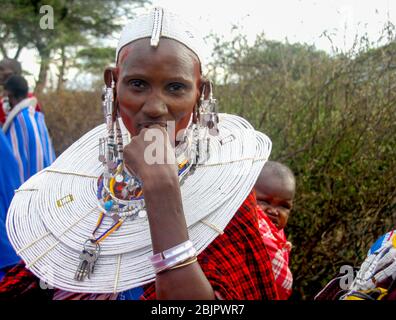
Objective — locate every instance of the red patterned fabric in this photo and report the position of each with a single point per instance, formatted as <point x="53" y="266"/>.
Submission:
<point x="20" y="283"/>
<point x="2" y="114"/>
<point x="279" y="250"/>
<point x="236" y="264"/>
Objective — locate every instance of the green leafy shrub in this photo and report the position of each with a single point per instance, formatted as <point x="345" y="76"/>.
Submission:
<point x="332" y="119"/>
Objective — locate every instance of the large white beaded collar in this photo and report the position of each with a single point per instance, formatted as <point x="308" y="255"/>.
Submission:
<point x="53" y="213"/>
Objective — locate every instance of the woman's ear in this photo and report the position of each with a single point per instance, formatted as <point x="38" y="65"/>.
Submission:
<point x="205" y="83"/>
<point x="110" y="74"/>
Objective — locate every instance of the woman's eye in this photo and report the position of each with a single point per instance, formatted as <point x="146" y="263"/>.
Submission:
<point x="175" y="87"/>
<point x="138" y="84"/>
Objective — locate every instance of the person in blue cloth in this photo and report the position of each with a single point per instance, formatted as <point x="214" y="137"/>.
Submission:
<point x="9" y="181"/>
<point x="26" y="130"/>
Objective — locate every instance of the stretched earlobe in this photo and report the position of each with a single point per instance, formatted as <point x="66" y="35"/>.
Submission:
<point x="195" y="114"/>
<point x="109" y="75"/>
<point x="205" y="84"/>
<point x="110" y="78"/>
<point x="207" y="110"/>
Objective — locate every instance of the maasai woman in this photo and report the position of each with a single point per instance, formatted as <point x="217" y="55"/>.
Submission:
<point x="169" y="219"/>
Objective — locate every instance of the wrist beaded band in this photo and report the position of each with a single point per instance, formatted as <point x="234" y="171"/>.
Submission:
<point x="173" y="256"/>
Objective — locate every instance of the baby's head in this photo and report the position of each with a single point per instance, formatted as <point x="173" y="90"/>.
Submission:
<point x="275" y="188"/>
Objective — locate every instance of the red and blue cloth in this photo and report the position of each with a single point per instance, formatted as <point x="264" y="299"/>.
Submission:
<point x="279" y="250"/>
<point x="29" y="139"/>
<point x="381" y="241"/>
<point x="3" y="115"/>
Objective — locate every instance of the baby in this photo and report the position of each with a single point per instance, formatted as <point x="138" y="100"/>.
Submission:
<point x="275" y="189"/>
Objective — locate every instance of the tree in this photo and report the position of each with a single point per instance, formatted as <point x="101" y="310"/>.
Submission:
<point x="76" y="24"/>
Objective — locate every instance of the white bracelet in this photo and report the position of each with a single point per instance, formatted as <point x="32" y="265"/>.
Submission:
<point x="173" y="256"/>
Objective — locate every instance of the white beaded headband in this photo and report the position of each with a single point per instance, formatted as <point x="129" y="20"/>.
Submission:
<point x="161" y="23"/>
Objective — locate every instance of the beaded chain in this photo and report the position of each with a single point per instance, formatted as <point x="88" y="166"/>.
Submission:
<point x="131" y="204"/>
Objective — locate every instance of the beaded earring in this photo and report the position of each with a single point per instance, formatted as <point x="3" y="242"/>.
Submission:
<point x="208" y="111"/>
<point x="205" y="122"/>
<point x="119" y="193"/>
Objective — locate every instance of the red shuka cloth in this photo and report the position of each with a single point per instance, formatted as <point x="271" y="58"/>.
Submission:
<point x="279" y="250"/>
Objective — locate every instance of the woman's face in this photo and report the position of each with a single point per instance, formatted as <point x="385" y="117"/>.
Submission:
<point x="157" y="85"/>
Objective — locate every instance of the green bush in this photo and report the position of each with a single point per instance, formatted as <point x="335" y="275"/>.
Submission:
<point x="333" y="121"/>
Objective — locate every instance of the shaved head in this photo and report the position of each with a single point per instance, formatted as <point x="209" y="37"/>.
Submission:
<point x="11" y="64"/>
<point x="279" y="172"/>
<point x="8" y="68"/>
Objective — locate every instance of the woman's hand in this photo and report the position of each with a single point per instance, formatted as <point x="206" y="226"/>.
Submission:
<point x="150" y="155"/>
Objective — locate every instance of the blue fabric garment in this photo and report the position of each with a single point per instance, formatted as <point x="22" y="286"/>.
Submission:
<point x="30" y="142"/>
<point x="131" y="294"/>
<point x="381" y="241"/>
<point x="9" y="181"/>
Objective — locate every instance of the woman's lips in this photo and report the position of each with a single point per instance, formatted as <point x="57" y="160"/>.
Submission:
<point x="152" y="123"/>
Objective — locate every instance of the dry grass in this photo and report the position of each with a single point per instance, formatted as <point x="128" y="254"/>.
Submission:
<point x="70" y="114"/>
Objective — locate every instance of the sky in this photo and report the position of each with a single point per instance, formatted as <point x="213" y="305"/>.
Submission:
<point x="301" y="21"/>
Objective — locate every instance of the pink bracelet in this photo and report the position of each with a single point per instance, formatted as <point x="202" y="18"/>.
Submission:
<point x="173" y="256"/>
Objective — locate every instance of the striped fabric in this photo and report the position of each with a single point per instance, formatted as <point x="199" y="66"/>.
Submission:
<point x="381" y="241"/>
<point x="279" y="250"/>
<point x="28" y="136"/>
<point x="2" y="113"/>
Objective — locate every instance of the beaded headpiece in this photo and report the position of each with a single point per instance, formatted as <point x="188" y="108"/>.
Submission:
<point x="161" y="23"/>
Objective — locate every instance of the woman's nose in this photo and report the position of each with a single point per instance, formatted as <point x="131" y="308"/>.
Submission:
<point x="155" y="107"/>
